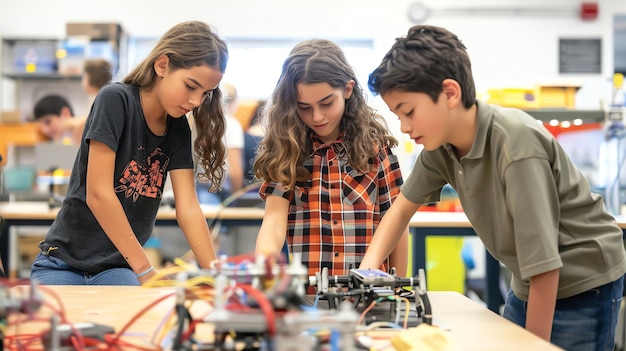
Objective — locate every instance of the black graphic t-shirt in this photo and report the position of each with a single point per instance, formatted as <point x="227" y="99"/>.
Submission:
<point x="141" y="164"/>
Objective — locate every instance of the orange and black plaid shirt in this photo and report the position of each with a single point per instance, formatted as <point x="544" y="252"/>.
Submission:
<point x="333" y="217"/>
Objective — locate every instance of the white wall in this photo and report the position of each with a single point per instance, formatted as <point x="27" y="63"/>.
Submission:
<point x="517" y="48"/>
<point x="507" y="50"/>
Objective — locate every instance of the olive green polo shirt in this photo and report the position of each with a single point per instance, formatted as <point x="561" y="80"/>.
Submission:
<point x="531" y="207"/>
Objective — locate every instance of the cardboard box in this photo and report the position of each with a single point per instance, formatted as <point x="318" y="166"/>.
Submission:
<point x="557" y="96"/>
<point x="95" y="31"/>
<point x="10" y="116"/>
<point x="71" y="56"/>
<point x="513" y="97"/>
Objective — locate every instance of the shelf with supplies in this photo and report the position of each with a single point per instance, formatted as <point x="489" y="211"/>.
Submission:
<point x="29" y="71"/>
<point x="546" y="102"/>
<point x="32" y="67"/>
<point x="586" y="116"/>
<point x="46" y="76"/>
<point x="29" y="55"/>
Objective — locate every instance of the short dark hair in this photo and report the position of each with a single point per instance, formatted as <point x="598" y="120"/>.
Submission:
<point x="51" y="105"/>
<point x="421" y="61"/>
<point x="99" y="72"/>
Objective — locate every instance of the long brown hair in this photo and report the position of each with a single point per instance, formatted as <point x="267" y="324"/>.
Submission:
<point x="190" y="44"/>
<point x="286" y="144"/>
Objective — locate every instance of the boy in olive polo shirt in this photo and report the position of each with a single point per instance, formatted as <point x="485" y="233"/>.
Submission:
<point x="529" y="204"/>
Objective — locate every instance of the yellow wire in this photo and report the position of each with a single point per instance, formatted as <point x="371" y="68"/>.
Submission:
<point x="166" y="328"/>
<point x="180" y="262"/>
<point x="201" y="280"/>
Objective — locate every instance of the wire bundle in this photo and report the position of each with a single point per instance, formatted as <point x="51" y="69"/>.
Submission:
<point x="265" y="290"/>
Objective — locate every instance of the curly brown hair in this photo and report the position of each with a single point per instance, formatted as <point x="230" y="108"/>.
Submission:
<point x="287" y="143"/>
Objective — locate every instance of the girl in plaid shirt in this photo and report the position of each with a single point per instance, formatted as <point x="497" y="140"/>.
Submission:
<point x="326" y="163"/>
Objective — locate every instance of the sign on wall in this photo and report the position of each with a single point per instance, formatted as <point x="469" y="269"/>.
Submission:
<point x="580" y="55"/>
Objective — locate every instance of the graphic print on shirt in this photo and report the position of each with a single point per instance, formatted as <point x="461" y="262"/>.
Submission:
<point x="144" y="177"/>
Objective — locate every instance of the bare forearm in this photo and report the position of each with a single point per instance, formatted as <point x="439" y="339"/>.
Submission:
<point x="273" y="231"/>
<point x="399" y="257"/>
<point x="269" y="242"/>
<point x="193" y="224"/>
<point x="382" y="244"/>
<point x="541" y="303"/>
<point x="389" y="232"/>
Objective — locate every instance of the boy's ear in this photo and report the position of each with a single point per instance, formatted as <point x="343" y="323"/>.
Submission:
<point x="65" y="112"/>
<point x="452" y="91"/>
<point x="161" y="64"/>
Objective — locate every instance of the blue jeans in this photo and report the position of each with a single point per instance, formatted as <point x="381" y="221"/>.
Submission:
<point x="584" y="322"/>
<point x="48" y="270"/>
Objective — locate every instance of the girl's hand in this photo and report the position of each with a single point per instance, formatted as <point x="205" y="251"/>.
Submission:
<point x="151" y="275"/>
<point x="144" y="278"/>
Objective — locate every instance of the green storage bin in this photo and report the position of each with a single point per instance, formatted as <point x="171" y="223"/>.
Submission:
<point x="19" y="178"/>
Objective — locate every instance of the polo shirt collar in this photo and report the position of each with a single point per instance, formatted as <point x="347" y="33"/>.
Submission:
<point x="484" y="120"/>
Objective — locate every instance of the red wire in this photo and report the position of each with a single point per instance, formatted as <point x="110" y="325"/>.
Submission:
<point x="24" y="342"/>
<point x="56" y="297"/>
<point x="14" y="342"/>
<point x="240" y="258"/>
<point x="117" y="336"/>
<point x="264" y="304"/>
<point x="119" y="343"/>
<point x="268" y="270"/>
<point x="365" y="311"/>
<point x="30" y="315"/>
<point x="87" y="342"/>
<point x="190" y="330"/>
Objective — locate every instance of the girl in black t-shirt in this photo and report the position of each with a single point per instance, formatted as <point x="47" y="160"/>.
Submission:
<point x="135" y="135"/>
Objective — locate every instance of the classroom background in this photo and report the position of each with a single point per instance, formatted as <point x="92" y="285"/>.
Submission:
<point x="517" y="49"/>
<point x="513" y="44"/>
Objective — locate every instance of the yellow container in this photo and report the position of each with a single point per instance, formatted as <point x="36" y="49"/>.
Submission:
<point x="513" y="97"/>
<point x="557" y="96"/>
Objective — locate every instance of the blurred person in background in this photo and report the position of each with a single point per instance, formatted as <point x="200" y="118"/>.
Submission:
<point x="96" y="74"/>
<point x="252" y="137"/>
<point x="234" y="141"/>
<point x="55" y="117"/>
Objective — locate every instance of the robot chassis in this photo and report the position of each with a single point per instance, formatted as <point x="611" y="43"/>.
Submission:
<point x="346" y="297"/>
